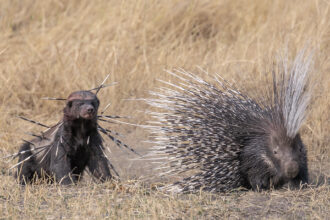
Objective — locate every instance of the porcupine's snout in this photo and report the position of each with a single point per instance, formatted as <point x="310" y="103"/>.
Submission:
<point x="291" y="169"/>
<point x="285" y="150"/>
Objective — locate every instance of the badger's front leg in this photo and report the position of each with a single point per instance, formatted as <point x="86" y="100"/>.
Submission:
<point x="98" y="164"/>
<point x="60" y="167"/>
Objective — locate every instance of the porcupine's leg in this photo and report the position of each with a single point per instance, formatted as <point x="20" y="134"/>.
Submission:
<point x="258" y="182"/>
<point x="301" y="180"/>
<point x="302" y="177"/>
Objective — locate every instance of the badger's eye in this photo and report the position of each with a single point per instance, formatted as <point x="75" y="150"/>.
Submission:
<point x="275" y="151"/>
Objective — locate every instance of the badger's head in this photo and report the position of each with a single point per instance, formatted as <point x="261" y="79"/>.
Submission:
<point x="81" y="105"/>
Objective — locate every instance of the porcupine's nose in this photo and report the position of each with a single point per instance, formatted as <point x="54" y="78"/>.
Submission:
<point x="292" y="169"/>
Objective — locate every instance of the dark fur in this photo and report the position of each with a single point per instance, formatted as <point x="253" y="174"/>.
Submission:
<point x="258" y="174"/>
<point x="70" y="152"/>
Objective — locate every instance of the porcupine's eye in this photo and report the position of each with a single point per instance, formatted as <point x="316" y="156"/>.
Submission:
<point x="70" y="104"/>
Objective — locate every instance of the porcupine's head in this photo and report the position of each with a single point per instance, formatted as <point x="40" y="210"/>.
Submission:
<point x="287" y="152"/>
<point x="273" y="159"/>
<point x="81" y="105"/>
<point x="274" y="153"/>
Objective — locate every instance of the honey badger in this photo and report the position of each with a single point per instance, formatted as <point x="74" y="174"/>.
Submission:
<point x="64" y="151"/>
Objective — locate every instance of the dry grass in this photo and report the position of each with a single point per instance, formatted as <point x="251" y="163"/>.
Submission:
<point x="53" y="47"/>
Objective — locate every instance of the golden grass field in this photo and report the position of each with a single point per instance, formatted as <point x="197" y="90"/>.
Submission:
<point x="53" y="47"/>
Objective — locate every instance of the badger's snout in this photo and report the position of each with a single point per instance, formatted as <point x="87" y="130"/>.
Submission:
<point x="90" y="109"/>
<point x="87" y="112"/>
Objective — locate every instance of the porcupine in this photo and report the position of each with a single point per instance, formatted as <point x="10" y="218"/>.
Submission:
<point x="230" y="138"/>
<point x="65" y="150"/>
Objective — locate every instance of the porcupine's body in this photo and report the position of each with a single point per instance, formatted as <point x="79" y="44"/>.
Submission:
<point x="66" y="149"/>
<point x="231" y="139"/>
